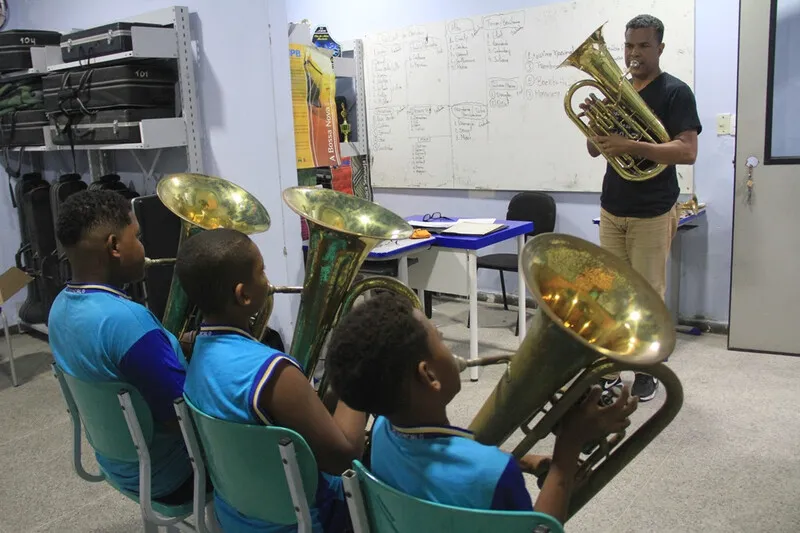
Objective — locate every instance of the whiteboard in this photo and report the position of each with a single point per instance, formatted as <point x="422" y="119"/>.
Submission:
<point x="478" y="102"/>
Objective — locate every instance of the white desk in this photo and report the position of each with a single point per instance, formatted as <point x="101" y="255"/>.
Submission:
<point x="440" y="269"/>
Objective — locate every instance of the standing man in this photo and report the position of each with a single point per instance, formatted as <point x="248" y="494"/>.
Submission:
<point x="639" y="219"/>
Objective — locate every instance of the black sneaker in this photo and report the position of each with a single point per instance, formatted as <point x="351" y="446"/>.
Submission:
<point x="644" y="387"/>
<point x="608" y="384"/>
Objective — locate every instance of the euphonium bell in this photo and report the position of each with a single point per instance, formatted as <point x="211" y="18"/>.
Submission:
<point x="621" y="111"/>
<point x="595" y="316"/>
<point x="343" y="230"/>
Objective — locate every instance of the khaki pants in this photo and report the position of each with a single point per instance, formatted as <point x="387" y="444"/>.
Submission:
<point x="643" y="243"/>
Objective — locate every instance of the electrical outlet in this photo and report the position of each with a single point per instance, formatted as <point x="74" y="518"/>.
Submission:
<point x="724" y="124"/>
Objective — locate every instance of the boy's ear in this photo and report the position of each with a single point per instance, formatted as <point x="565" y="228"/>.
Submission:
<point x="242" y="298"/>
<point x="427" y="375"/>
<point x="112" y="245"/>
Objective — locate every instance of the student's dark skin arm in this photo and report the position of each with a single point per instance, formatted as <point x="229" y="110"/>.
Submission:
<point x="682" y="150"/>
<point x="585" y="423"/>
<point x="292" y="402"/>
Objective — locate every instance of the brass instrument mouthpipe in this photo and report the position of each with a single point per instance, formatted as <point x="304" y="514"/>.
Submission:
<point x="464" y="364"/>
<point x="154" y="262"/>
<point x="285" y="290"/>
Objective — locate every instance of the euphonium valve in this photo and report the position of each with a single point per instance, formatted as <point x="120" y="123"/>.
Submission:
<point x="621" y="110"/>
<point x="595" y="316"/>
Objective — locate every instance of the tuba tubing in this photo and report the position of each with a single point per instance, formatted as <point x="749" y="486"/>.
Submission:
<point x="596" y="316"/>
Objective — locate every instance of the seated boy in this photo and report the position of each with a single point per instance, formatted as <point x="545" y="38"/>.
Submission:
<point x="388" y="359"/>
<point x="98" y="334"/>
<point x="234" y="377"/>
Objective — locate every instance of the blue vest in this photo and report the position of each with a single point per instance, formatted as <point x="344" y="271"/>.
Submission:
<point x="98" y="334"/>
<point x="228" y="370"/>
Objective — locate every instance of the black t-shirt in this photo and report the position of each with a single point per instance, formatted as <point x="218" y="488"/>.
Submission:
<point x="673" y="102"/>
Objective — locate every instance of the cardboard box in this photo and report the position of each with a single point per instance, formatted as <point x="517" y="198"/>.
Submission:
<point x="11" y="282"/>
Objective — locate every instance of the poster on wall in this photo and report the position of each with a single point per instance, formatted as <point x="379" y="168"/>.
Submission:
<point x="316" y="125"/>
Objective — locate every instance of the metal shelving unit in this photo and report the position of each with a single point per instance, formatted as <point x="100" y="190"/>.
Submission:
<point x="351" y="65"/>
<point x="168" y="43"/>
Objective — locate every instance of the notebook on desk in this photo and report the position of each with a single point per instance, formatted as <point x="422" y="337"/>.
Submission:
<point x="472" y="228"/>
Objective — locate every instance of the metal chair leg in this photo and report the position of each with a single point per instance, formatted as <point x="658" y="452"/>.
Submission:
<point x="10" y="348"/>
<point x="503" y="287"/>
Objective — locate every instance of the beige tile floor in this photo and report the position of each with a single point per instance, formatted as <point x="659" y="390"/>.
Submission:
<point x="730" y="462"/>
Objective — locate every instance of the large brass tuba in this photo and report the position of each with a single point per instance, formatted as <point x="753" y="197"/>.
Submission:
<point x="621" y="111"/>
<point x="596" y="315"/>
<point x="343" y="230"/>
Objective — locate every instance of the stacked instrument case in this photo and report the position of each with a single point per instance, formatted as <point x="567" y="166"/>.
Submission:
<point x="106" y="104"/>
<point x="15" y="47"/>
<point x="104" y="40"/>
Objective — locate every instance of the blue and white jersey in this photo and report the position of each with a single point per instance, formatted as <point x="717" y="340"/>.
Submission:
<point x="445" y="465"/>
<point x="229" y="368"/>
<point x="98" y="334"/>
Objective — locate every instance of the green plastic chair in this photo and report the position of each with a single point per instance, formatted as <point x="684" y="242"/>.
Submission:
<point x="119" y="426"/>
<point x="378" y="508"/>
<point x="265" y="472"/>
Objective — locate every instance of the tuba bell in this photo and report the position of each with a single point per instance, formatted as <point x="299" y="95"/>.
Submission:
<point x="343" y="230"/>
<point x="204" y="203"/>
<point x="595" y="316"/>
<point x="621" y="111"/>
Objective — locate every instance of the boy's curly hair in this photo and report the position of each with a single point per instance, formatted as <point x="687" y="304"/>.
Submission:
<point x="373" y="353"/>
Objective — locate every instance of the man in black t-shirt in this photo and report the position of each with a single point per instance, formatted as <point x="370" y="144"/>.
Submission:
<point x="638" y="219"/>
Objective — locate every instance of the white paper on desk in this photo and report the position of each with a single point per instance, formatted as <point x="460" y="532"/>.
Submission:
<point x="472" y="228"/>
<point x="478" y="220"/>
<point x="444" y="224"/>
<point x="390" y="246"/>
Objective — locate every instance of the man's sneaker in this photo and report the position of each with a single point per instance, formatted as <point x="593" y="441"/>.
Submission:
<point x="644" y="387"/>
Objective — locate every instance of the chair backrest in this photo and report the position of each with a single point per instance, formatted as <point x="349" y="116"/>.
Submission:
<point x="245" y="465"/>
<point x="390" y="510"/>
<point x="98" y="406"/>
<point x="536" y="207"/>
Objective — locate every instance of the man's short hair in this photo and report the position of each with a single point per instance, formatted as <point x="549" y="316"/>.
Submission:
<point x="647" y="21"/>
<point x="374" y="352"/>
<point x="211" y="263"/>
<point x="87" y="210"/>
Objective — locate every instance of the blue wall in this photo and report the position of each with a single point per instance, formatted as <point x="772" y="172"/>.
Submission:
<point x="706" y="250"/>
<point x="245" y="108"/>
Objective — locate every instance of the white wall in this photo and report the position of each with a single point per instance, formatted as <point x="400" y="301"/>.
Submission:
<point x="706" y="252"/>
<point x="245" y="109"/>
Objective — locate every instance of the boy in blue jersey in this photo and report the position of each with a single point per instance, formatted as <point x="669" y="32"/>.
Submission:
<point x="98" y="334"/>
<point x="234" y="377"/>
<point x="388" y="359"/>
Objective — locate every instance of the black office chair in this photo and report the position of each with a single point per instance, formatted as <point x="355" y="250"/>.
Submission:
<point x="536" y="207"/>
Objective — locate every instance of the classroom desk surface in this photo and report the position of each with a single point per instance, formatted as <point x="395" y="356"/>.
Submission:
<point x="514" y="228"/>
<point x="393" y="249"/>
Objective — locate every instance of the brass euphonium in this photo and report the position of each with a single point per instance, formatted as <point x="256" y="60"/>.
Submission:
<point x="595" y="316"/>
<point x="203" y="203"/>
<point x="343" y="230"/>
<point x="621" y="111"/>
